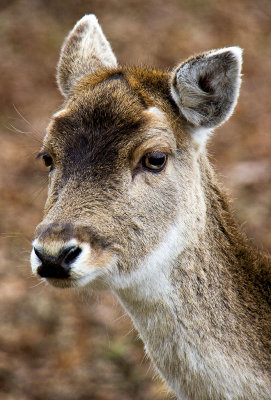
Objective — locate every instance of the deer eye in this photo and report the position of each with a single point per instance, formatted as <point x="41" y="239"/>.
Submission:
<point x="154" y="161"/>
<point x="48" y="161"/>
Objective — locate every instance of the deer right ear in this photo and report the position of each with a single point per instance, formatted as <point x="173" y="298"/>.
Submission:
<point x="206" y="88"/>
<point x="84" y="50"/>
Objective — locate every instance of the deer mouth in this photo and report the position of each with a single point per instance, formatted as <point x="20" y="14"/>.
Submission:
<point x="62" y="282"/>
<point x="65" y="283"/>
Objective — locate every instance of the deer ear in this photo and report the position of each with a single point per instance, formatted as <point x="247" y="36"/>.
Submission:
<point x="84" y="50"/>
<point x="206" y="88"/>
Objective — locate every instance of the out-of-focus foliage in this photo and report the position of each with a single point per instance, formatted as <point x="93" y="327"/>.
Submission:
<point x="53" y="344"/>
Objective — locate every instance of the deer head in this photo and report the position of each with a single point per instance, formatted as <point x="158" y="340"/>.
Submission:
<point x="126" y="159"/>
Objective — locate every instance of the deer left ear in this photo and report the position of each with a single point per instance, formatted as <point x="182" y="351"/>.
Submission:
<point x="84" y="50"/>
<point x="206" y="89"/>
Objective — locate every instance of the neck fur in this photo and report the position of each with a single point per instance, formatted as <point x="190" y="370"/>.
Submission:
<point x="184" y="303"/>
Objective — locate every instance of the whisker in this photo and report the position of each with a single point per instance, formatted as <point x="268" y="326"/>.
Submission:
<point x="37" y="193"/>
<point x="10" y="235"/>
<point x="38" y="284"/>
<point x="121" y="317"/>
<point x="16" y="235"/>
<point x="34" y="133"/>
<point x="24" y="119"/>
<point x="144" y="359"/>
<point x="128" y="333"/>
<point x="14" y="129"/>
<point x="28" y="134"/>
<point x="24" y="251"/>
<point x="148" y="369"/>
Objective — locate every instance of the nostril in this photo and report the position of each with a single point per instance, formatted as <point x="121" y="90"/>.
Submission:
<point x="39" y="254"/>
<point x="58" y="265"/>
<point x="71" y="255"/>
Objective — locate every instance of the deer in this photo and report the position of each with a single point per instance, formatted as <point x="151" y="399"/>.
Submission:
<point x="134" y="206"/>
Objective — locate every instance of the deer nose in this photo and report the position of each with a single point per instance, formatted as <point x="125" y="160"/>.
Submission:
<point x="59" y="265"/>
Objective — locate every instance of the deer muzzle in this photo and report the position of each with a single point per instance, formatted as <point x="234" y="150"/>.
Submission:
<point x="65" y="256"/>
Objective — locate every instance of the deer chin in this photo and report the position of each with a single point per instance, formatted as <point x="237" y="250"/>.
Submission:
<point x="78" y="281"/>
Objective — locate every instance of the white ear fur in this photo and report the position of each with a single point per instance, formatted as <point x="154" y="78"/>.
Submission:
<point x="85" y="49"/>
<point x="206" y="89"/>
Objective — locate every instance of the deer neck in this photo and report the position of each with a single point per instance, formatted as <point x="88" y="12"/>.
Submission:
<point x="184" y="303"/>
<point x="162" y="291"/>
<point x="147" y="295"/>
<point x="189" y="247"/>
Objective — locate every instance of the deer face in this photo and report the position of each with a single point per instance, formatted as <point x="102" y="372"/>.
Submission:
<point x="123" y="162"/>
<point x="111" y="180"/>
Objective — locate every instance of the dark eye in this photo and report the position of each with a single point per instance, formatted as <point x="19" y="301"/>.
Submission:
<point x="48" y="161"/>
<point x="154" y="161"/>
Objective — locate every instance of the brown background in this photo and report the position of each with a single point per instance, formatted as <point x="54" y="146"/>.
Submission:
<point x="53" y="344"/>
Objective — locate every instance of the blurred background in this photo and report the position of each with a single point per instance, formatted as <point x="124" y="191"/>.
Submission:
<point x="55" y="345"/>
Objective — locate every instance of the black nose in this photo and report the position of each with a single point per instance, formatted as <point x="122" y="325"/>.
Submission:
<point x="57" y="266"/>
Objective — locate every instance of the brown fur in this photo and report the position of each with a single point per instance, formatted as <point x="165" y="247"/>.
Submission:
<point x="217" y="312"/>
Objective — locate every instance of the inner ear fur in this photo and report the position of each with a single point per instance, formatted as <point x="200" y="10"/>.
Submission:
<point x="84" y="50"/>
<point x="206" y="87"/>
